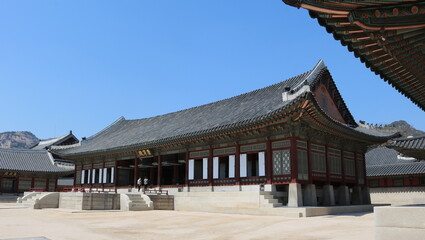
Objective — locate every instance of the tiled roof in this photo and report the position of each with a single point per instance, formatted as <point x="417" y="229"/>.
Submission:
<point x="382" y="161"/>
<point x="44" y="144"/>
<point x="413" y="147"/>
<point x="387" y="36"/>
<point x="217" y="117"/>
<point x="29" y="161"/>
<point x="409" y="143"/>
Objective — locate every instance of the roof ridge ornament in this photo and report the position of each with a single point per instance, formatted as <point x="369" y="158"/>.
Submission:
<point x="289" y="94"/>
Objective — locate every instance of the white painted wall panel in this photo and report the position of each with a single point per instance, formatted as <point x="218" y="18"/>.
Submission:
<point x="100" y="175"/>
<point x="215" y="167"/>
<point x="105" y="174"/>
<point x="112" y="175"/>
<point x="83" y="174"/>
<point x="243" y="165"/>
<point x="231" y="166"/>
<point x="205" y="168"/>
<point x="191" y="168"/>
<point x="93" y="176"/>
<point x="262" y="164"/>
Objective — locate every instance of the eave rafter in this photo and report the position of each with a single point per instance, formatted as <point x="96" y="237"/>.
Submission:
<point x="387" y="36"/>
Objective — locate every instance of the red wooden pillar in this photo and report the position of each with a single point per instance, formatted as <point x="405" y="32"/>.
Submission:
<point x="187" y="168"/>
<point x="136" y="171"/>
<point x="175" y="174"/>
<point x="32" y="182"/>
<point x="210" y="167"/>
<point x="237" y="165"/>
<point x="342" y="166"/>
<point x="17" y="184"/>
<point x="355" y="168"/>
<point x="103" y="175"/>
<point x="269" y="161"/>
<point x="75" y="175"/>
<point x="364" y="169"/>
<point x="1" y="178"/>
<point x="309" y="165"/>
<point x="328" y="166"/>
<point x="294" y="160"/>
<point x="47" y="184"/>
<point x="116" y="175"/>
<point x="159" y="171"/>
<point x="151" y="175"/>
<point x="56" y="184"/>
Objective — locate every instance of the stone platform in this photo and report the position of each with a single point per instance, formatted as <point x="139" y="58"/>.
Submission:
<point x="400" y="222"/>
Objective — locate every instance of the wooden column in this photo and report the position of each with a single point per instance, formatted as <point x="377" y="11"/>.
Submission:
<point x="187" y="168"/>
<point x="47" y="184"/>
<point x="294" y="160"/>
<point x="309" y="165"/>
<point x="159" y="171"/>
<point x="56" y="183"/>
<point x="103" y="176"/>
<point x="175" y="174"/>
<point x="328" y="165"/>
<point x="151" y="175"/>
<point x="364" y="169"/>
<point x="342" y="165"/>
<point x="210" y="167"/>
<point x="116" y="175"/>
<point x="269" y="161"/>
<point x="17" y="184"/>
<point x="32" y="182"/>
<point x="355" y="168"/>
<point x="136" y="171"/>
<point x="237" y="165"/>
<point x="75" y="175"/>
<point x="1" y="178"/>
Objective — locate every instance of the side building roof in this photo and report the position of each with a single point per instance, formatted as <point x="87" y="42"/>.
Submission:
<point x="65" y="139"/>
<point x="383" y="161"/>
<point x="413" y="147"/>
<point x="232" y="114"/>
<point x="30" y="161"/>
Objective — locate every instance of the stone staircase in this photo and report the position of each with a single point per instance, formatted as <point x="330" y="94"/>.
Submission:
<point x="135" y="202"/>
<point x="268" y="200"/>
<point x="30" y="200"/>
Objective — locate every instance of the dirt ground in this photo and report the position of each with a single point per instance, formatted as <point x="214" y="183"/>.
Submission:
<point x="60" y="224"/>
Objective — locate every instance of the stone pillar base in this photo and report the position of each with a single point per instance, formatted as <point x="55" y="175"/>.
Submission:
<point x="328" y="195"/>
<point x="309" y="195"/>
<point x="343" y="195"/>
<point x="295" y="196"/>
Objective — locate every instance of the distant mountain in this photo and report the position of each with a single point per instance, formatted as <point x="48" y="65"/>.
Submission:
<point x="21" y="139"/>
<point x="401" y="126"/>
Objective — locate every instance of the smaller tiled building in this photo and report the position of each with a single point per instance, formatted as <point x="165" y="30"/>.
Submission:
<point x="23" y="169"/>
<point x="396" y="172"/>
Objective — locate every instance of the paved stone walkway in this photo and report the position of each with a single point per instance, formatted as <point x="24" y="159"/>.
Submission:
<point x="57" y="224"/>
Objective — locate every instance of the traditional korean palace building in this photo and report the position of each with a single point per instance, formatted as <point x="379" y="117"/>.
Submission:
<point x="25" y="169"/>
<point x="386" y="35"/>
<point x="295" y="138"/>
<point x="396" y="171"/>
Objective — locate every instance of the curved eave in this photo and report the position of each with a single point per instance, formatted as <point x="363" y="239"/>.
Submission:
<point x="312" y="111"/>
<point x="412" y="88"/>
<point x="393" y="49"/>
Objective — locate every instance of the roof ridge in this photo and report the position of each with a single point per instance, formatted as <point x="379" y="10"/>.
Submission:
<point x="237" y="96"/>
<point x="106" y="129"/>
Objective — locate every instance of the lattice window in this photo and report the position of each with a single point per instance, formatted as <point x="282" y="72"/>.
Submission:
<point x="318" y="162"/>
<point x="398" y="181"/>
<point x="302" y="164"/>
<point x="360" y="171"/>
<point x="349" y="167"/>
<point x="282" y="162"/>
<point x="335" y="163"/>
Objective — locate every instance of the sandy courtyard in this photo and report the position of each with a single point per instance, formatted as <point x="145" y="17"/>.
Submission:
<point x="58" y="224"/>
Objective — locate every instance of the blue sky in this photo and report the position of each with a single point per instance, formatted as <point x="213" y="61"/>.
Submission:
<point x="80" y="65"/>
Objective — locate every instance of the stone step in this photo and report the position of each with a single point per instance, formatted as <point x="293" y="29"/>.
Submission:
<point x="273" y="200"/>
<point x="268" y="196"/>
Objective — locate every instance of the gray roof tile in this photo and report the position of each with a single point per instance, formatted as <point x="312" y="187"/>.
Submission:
<point x="29" y="161"/>
<point x="218" y="116"/>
